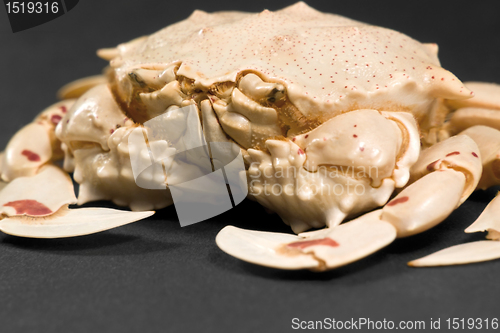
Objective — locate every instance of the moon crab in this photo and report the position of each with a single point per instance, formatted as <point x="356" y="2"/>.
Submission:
<point x="350" y="129"/>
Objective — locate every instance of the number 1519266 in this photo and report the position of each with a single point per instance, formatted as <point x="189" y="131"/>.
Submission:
<point x="21" y="7"/>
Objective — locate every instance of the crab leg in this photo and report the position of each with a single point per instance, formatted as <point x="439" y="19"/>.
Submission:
<point x="488" y="141"/>
<point x="318" y="250"/>
<point x="471" y="252"/>
<point x="461" y="254"/>
<point x="467" y="117"/>
<point x="488" y="221"/>
<point x="425" y="203"/>
<point x="35" y="144"/>
<point x="482" y="109"/>
<point x="34" y="195"/>
<point x="70" y="222"/>
<point x="443" y="177"/>
<point x="37" y="207"/>
<point x="77" y="88"/>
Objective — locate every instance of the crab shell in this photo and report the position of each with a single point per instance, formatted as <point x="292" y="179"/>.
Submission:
<point x="329" y="64"/>
<point x="302" y="93"/>
<point x="285" y="75"/>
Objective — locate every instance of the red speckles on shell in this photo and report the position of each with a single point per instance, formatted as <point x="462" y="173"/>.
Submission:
<point x="300" y="151"/>
<point x="314" y="54"/>
<point x="31" y="156"/>
<point x="29" y="207"/>
<point x="453" y="153"/>
<point x="475" y="155"/>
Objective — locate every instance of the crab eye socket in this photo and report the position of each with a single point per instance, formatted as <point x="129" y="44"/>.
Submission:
<point x="277" y="94"/>
<point x="136" y="80"/>
<point x="128" y="88"/>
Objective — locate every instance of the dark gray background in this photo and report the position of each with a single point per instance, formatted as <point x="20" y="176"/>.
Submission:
<point x="154" y="275"/>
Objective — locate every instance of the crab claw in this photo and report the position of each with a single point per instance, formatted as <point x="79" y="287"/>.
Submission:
<point x="318" y="250"/>
<point x="34" y="145"/>
<point x="37" y="207"/>
<point x="461" y="254"/>
<point x="488" y="220"/>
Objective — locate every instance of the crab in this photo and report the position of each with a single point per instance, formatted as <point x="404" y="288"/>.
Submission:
<point x="352" y="130"/>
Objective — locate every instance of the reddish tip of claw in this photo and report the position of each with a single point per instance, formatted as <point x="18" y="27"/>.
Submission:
<point x="323" y="241"/>
<point x="29" y="207"/>
<point x="31" y="156"/>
